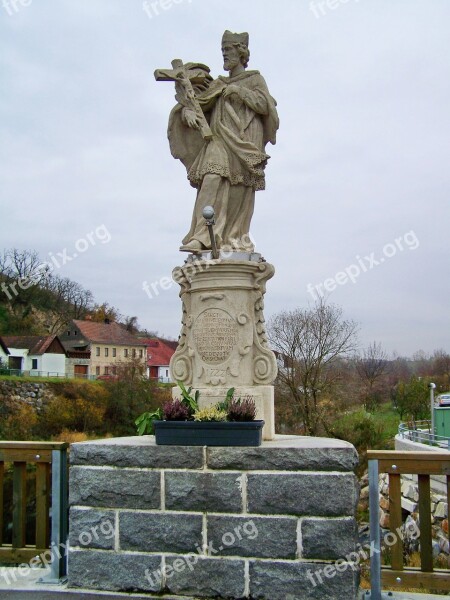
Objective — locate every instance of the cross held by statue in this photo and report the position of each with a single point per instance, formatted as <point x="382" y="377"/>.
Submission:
<point x="186" y="77"/>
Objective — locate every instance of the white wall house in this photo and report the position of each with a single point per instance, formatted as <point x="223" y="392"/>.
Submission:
<point x="159" y="353"/>
<point x="36" y="355"/>
<point x="4" y="353"/>
<point x="51" y="363"/>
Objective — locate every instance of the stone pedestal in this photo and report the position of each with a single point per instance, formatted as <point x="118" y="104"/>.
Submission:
<point x="193" y="522"/>
<point x="223" y="341"/>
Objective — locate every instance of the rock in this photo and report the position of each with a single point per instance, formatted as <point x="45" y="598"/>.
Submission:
<point x="441" y="510"/>
<point x="384" y="520"/>
<point x="409" y="505"/>
<point x="410" y="491"/>
<point x="444" y="545"/>
<point x="384" y="503"/>
<point x="364" y="492"/>
<point x="364" y="534"/>
<point x="436" y="548"/>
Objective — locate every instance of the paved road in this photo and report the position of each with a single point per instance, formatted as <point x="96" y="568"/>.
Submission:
<point x="34" y="595"/>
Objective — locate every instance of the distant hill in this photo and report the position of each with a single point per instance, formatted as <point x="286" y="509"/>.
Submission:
<point x="36" y="301"/>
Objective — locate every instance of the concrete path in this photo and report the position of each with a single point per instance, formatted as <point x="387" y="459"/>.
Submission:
<point x="33" y="595"/>
<point x="14" y="586"/>
<point x="365" y="595"/>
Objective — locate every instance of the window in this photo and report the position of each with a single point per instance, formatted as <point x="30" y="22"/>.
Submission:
<point x="97" y="370"/>
<point x="141" y="353"/>
<point x="106" y="370"/>
<point x="97" y="351"/>
<point x="114" y="370"/>
<point x="114" y="352"/>
<point x="125" y="352"/>
<point x="106" y="352"/>
<point x="34" y="363"/>
<point x="134" y="353"/>
<point x="167" y="372"/>
<point x="75" y="333"/>
<point x="68" y="333"/>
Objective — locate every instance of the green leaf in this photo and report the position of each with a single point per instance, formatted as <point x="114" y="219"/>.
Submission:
<point x="230" y="394"/>
<point x="144" y="422"/>
<point x="187" y="398"/>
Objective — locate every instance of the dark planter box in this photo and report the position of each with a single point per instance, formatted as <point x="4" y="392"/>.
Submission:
<point x="208" y="433"/>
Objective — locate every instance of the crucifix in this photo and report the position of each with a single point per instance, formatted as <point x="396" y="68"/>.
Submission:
<point x="186" y="77"/>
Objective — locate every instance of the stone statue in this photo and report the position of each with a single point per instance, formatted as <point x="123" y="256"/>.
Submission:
<point x="219" y="130"/>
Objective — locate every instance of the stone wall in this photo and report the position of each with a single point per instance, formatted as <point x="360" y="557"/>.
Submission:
<point x="265" y="522"/>
<point x="16" y="392"/>
<point x="410" y="499"/>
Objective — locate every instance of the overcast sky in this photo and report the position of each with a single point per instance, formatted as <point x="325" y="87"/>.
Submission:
<point x="358" y="183"/>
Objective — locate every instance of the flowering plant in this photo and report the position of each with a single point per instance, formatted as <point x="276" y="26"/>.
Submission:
<point x="187" y="409"/>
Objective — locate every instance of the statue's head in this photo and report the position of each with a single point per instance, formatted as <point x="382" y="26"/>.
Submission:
<point x="235" y="50"/>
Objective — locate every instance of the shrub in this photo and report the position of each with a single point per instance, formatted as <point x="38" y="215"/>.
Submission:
<point x="74" y="414"/>
<point x="71" y="437"/>
<point x="211" y="413"/>
<point x="128" y="398"/>
<point x="242" y="410"/>
<point x="19" y="425"/>
<point x="176" y="410"/>
<point x="361" y="430"/>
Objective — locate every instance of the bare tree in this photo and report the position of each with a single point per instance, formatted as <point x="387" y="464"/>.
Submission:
<point x="372" y="364"/>
<point x="67" y="300"/>
<point x="131" y="324"/>
<point x="310" y="343"/>
<point x="372" y="367"/>
<point x="441" y="363"/>
<point x="24" y="272"/>
<point x="23" y="264"/>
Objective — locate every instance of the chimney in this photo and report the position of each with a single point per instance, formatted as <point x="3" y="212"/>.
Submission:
<point x="107" y="321"/>
<point x="88" y="318"/>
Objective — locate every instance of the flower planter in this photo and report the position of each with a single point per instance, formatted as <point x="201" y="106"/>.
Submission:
<point x="208" y="433"/>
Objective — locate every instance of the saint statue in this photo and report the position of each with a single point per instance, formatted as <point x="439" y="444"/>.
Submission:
<point x="219" y="130"/>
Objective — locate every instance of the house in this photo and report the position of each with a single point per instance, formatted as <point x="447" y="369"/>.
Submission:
<point x="159" y="353"/>
<point x="4" y="353"/>
<point x="98" y="349"/>
<point x="36" y="354"/>
<point x="284" y="362"/>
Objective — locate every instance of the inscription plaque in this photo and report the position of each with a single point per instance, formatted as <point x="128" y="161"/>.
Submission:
<point x="215" y="335"/>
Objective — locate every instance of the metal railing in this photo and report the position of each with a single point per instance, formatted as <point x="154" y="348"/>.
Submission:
<point x="422" y="464"/>
<point x="161" y="379"/>
<point x="50" y="481"/>
<point x="420" y="431"/>
<point x="45" y="374"/>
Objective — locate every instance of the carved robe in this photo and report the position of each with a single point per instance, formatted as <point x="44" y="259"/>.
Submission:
<point x="228" y="169"/>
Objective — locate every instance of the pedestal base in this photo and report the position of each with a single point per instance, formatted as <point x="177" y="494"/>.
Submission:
<point x="237" y="523"/>
<point x="223" y="341"/>
<point x="263" y="395"/>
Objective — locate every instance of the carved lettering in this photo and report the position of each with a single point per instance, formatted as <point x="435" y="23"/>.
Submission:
<point x="215" y="335"/>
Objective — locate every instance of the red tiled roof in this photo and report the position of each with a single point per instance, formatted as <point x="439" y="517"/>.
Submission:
<point x="107" y="333"/>
<point x="159" y="353"/>
<point x="35" y="344"/>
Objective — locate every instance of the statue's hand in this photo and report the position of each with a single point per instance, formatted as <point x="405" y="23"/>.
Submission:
<point x="191" y="118"/>
<point x="231" y="89"/>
